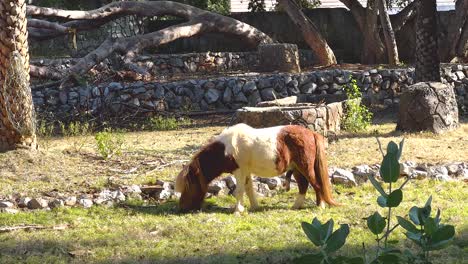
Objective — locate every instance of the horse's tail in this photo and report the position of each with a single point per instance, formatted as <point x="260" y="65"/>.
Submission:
<point x="321" y="171"/>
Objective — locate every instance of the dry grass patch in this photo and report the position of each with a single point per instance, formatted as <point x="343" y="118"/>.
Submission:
<point x="61" y="166"/>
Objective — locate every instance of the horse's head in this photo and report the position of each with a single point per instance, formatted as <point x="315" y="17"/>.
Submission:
<point x="191" y="185"/>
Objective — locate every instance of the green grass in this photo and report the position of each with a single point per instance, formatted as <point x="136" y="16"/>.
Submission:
<point x="158" y="234"/>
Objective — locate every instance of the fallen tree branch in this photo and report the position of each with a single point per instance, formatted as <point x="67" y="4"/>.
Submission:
<point x="199" y="21"/>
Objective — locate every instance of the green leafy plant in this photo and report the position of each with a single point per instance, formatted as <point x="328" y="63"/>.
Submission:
<point x="109" y="143"/>
<point x="45" y="131"/>
<point x="328" y="241"/>
<point x="426" y="231"/>
<point x="160" y="123"/>
<point x="76" y="130"/>
<point x="358" y="117"/>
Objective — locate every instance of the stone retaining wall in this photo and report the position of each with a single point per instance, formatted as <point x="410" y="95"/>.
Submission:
<point x="378" y="86"/>
<point x="173" y="64"/>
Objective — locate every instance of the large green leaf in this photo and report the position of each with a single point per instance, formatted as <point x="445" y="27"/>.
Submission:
<point x="413" y="215"/>
<point x="430" y="226"/>
<point x="377" y="185"/>
<point x="347" y="260"/>
<point x="392" y="148"/>
<point x="312" y="233"/>
<point x="382" y="201"/>
<point x="416" y="237"/>
<point x="376" y="223"/>
<point x="407" y="225"/>
<point x="389" y="258"/>
<point x="355" y="260"/>
<point x="400" y="150"/>
<point x="309" y="259"/>
<point x="394" y="199"/>
<point x="390" y="168"/>
<point x="428" y="202"/>
<point x="337" y="239"/>
<point x="441" y="237"/>
<point x="437" y="218"/>
<point x="424" y="213"/>
<point x="316" y="223"/>
<point x="326" y="230"/>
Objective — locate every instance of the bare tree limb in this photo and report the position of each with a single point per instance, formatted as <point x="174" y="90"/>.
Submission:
<point x="199" y="21"/>
<point x="44" y="72"/>
<point x="142" y="8"/>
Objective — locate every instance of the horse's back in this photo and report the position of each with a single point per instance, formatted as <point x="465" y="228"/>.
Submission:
<point x="254" y="150"/>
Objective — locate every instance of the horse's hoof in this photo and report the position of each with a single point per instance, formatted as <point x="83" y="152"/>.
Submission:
<point x="296" y="207"/>
<point x="322" y="205"/>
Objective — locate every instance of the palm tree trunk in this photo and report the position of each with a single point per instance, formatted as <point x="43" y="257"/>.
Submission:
<point x="17" y="124"/>
<point x="427" y="55"/>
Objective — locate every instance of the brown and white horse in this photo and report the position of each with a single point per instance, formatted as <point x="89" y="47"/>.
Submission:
<point x="267" y="152"/>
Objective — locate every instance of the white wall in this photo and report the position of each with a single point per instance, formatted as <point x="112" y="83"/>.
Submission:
<point x="242" y="5"/>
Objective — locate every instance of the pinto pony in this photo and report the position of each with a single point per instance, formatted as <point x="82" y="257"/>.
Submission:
<point x="267" y="152"/>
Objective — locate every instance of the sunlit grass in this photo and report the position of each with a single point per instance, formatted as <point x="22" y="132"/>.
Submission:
<point x="134" y="234"/>
<point x="158" y="234"/>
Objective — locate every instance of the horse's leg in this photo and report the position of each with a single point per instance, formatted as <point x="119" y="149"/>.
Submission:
<point x="251" y="193"/>
<point x="240" y="190"/>
<point x="310" y="175"/>
<point x="302" y="184"/>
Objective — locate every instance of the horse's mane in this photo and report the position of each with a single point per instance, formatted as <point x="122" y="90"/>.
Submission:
<point x="194" y="165"/>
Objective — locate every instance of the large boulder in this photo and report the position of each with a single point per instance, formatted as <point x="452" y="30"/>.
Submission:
<point x="279" y="57"/>
<point x="428" y="106"/>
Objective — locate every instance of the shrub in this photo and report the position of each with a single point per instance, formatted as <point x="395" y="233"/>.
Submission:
<point x="358" y="117"/>
<point x="431" y="234"/>
<point x="160" y="123"/>
<point x="109" y="143"/>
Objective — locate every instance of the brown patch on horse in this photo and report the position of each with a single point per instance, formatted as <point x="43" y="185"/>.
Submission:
<point x="301" y="149"/>
<point x="206" y="165"/>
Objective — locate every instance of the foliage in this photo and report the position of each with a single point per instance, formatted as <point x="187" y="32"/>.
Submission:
<point x="74" y="129"/>
<point x="358" y="117"/>
<point x="305" y="4"/>
<point x="322" y="236"/>
<point x="431" y="234"/>
<point x="109" y="143"/>
<point x="222" y="7"/>
<point x="257" y="6"/>
<point x="161" y="123"/>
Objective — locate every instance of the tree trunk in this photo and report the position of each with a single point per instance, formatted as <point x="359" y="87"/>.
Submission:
<point x="389" y="34"/>
<point x="427" y="55"/>
<point x="457" y="39"/>
<point x="310" y="32"/>
<point x="198" y="21"/>
<point x="373" y="47"/>
<point x="17" y="124"/>
<point x="373" y="50"/>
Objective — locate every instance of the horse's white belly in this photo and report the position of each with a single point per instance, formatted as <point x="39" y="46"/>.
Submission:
<point x="263" y="163"/>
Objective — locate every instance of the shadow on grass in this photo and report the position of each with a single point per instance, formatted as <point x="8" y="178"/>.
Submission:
<point x="209" y="207"/>
<point x="82" y="250"/>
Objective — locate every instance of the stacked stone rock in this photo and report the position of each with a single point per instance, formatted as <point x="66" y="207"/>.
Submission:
<point x="379" y="86"/>
<point x="163" y="191"/>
